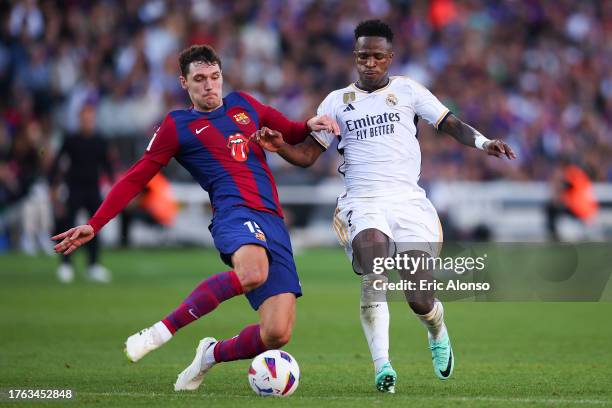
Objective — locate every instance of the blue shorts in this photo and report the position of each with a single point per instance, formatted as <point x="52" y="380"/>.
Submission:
<point x="238" y="226"/>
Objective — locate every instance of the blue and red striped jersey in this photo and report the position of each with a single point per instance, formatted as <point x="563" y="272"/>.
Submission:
<point x="215" y="148"/>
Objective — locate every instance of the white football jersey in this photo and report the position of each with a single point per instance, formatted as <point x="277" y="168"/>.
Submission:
<point x="378" y="139"/>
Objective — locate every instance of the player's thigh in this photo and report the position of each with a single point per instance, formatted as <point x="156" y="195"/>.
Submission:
<point x="421" y="276"/>
<point x="368" y="245"/>
<point x="362" y="230"/>
<point x="242" y="244"/>
<point x="277" y="316"/>
<point x="282" y="272"/>
<point x="250" y="263"/>
<point x="415" y="226"/>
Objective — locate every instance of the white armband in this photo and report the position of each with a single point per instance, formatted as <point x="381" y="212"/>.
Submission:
<point x="480" y="141"/>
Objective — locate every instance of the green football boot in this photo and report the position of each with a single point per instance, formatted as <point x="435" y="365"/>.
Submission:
<point x="442" y="357"/>
<point x="386" y="378"/>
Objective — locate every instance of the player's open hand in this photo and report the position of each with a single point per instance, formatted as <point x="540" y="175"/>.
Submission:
<point x="73" y="238"/>
<point x="498" y="148"/>
<point x="271" y="140"/>
<point x="323" y="122"/>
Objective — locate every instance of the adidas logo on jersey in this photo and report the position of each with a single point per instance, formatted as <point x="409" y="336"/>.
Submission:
<point x="350" y="107"/>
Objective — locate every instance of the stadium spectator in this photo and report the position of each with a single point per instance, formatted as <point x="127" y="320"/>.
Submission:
<point x="26" y="190"/>
<point x="156" y="206"/>
<point x="572" y="194"/>
<point x="81" y="160"/>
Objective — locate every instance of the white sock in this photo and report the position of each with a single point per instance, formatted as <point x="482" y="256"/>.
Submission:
<point x="374" y="315"/>
<point x="209" y="354"/>
<point x="163" y="333"/>
<point x="434" y="321"/>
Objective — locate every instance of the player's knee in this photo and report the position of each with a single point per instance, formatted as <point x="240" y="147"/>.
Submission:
<point x="367" y="245"/>
<point x="251" y="266"/>
<point x="276" y="337"/>
<point x="253" y="276"/>
<point x="370" y="236"/>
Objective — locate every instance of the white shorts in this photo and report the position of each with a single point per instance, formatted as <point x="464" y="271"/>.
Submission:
<point x="411" y="223"/>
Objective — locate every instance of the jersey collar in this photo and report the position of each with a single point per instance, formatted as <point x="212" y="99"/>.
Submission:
<point x="354" y="85"/>
<point x="220" y="111"/>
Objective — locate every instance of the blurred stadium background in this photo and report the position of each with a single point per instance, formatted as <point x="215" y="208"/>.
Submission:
<point x="535" y="73"/>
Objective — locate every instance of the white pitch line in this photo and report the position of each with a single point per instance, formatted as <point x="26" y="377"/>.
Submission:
<point x="368" y="397"/>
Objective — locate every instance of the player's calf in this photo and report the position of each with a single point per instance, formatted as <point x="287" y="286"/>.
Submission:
<point x="276" y="336"/>
<point x="204" y="299"/>
<point x="277" y="315"/>
<point x="201" y="301"/>
<point x="421" y="306"/>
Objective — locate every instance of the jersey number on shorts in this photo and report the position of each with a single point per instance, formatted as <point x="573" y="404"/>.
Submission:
<point x="254" y="229"/>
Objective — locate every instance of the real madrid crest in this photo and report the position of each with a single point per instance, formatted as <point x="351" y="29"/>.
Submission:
<point x="242" y="118"/>
<point x="391" y="100"/>
<point x="348" y="97"/>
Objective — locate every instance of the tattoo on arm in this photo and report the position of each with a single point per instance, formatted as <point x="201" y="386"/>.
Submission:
<point x="461" y="131"/>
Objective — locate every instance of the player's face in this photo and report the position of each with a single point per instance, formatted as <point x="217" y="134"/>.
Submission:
<point x="373" y="56"/>
<point x="204" y="85"/>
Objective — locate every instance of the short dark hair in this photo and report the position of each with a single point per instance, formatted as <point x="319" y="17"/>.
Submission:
<point x="374" y="28"/>
<point x="199" y="53"/>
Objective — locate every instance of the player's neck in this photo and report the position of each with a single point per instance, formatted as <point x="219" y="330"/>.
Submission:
<point x="206" y="110"/>
<point x="373" y="87"/>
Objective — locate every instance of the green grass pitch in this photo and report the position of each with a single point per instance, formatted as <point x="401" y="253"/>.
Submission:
<point x="71" y="336"/>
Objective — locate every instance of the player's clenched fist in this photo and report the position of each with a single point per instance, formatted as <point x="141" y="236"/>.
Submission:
<point x="73" y="238"/>
<point x="271" y="140"/>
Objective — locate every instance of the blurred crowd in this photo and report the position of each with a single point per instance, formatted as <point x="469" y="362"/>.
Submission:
<point x="535" y="73"/>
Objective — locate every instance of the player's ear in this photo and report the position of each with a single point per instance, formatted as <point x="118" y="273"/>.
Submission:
<point x="183" y="82"/>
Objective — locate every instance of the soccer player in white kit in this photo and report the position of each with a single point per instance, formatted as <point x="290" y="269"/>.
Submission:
<point x="383" y="210"/>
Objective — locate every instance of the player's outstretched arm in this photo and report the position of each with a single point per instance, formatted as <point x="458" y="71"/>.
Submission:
<point x="469" y="136"/>
<point x="303" y="154"/>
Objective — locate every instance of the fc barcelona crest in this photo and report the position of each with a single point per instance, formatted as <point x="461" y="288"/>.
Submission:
<point x="242" y="118"/>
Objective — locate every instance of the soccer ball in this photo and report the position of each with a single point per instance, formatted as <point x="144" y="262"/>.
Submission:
<point x="274" y="373"/>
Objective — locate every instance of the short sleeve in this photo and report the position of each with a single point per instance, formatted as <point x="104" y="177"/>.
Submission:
<point x="164" y="143"/>
<point x="325" y="138"/>
<point x="427" y="106"/>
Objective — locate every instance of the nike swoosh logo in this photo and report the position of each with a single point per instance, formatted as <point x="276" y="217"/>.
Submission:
<point x="198" y="131"/>
<point x="193" y="314"/>
<point x="447" y="372"/>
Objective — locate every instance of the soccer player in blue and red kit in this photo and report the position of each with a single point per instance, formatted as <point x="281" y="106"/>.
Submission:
<point x="212" y="141"/>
